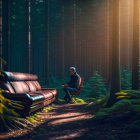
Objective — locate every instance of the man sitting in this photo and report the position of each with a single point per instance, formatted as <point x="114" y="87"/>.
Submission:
<point x="72" y="86"/>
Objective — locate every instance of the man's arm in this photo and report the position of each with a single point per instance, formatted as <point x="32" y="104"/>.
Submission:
<point x="70" y="83"/>
<point x="66" y="85"/>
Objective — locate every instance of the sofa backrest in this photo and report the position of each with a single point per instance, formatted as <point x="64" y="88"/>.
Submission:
<point x="16" y="82"/>
<point x="37" y="85"/>
<point x="19" y="87"/>
<point x="17" y="76"/>
<point x="31" y="85"/>
<point x="6" y="86"/>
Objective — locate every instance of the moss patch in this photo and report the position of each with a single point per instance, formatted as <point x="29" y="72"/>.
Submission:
<point x="124" y="113"/>
<point x="77" y="100"/>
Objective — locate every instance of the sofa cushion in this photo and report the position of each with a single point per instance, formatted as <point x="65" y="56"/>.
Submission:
<point x="46" y="93"/>
<point x="20" y="87"/>
<point x="31" y="86"/>
<point x="36" y="83"/>
<point x="52" y="90"/>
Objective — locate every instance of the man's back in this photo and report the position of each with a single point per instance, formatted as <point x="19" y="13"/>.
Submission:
<point x="74" y="82"/>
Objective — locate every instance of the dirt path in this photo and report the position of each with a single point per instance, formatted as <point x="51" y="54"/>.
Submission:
<point x="63" y="122"/>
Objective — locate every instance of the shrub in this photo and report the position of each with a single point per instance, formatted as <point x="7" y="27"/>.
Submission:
<point x="97" y="85"/>
<point x="129" y="103"/>
<point x="126" y="78"/>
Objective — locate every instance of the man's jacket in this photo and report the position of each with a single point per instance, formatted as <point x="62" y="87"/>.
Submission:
<point x="74" y="82"/>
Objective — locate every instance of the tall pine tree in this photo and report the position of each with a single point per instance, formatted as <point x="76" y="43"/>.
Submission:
<point x="115" y="66"/>
<point x="135" y="51"/>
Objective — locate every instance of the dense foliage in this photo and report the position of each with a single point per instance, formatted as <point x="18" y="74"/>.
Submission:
<point x="126" y="111"/>
<point x="97" y="86"/>
<point x="126" y="78"/>
<point x="9" y="118"/>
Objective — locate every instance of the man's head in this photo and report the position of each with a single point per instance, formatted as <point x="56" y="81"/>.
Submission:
<point x="72" y="70"/>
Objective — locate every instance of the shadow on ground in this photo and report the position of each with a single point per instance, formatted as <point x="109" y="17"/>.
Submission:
<point x="63" y="122"/>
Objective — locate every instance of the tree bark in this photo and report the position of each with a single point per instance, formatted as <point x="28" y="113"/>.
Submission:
<point x="47" y="71"/>
<point x="5" y="34"/>
<point x="28" y="38"/>
<point x="1" y="35"/>
<point x="115" y="75"/>
<point x="135" y="50"/>
<point x="63" y="44"/>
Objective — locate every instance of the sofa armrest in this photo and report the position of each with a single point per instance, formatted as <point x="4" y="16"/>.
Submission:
<point x="22" y="97"/>
<point x="9" y="95"/>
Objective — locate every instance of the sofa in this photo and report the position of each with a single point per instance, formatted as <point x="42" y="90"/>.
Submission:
<point x="25" y="89"/>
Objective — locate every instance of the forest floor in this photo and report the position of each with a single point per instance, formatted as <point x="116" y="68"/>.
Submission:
<point x="65" y="121"/>
<point x="69" y="122"/>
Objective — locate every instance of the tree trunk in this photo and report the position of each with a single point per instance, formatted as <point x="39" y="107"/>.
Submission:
<point x="135" y="51"/>
<point x="115" y="77"/>
<point x="63" y="44"/>
<point x="47" y="71"/>
<point x="5" y="34"/>
<point x="1" y="35"/>
<point x="28" y="38"/>
<point x="74" y="31"/>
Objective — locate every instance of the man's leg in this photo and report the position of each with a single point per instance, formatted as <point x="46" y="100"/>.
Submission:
<point x="67" y="97"/>
<point x="67" y="91"/>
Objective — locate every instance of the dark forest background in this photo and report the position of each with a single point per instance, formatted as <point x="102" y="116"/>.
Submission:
<point x="46" y="37"/>
<point x="99" y="37"/>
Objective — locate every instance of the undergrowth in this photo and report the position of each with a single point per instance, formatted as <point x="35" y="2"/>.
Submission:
<point x="9" y="118"/>
<point x="35" y="117"/>
<point x="125" y="111"/>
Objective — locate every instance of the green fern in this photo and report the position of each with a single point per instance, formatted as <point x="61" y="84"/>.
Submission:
<point x="9" y="118"/>
<point x="128" y="101"/>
